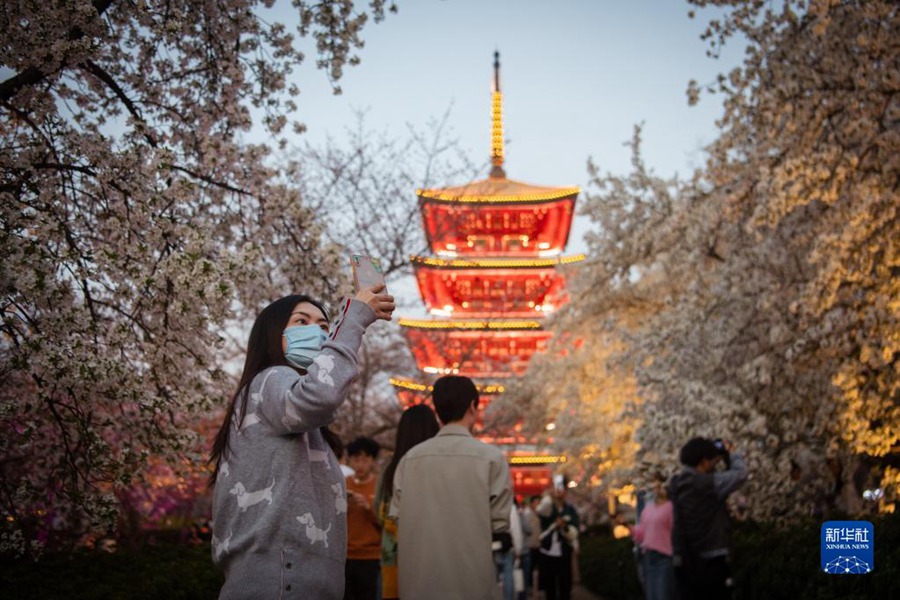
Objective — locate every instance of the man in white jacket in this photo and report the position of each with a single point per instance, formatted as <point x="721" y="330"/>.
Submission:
<point x="452" y="494"/>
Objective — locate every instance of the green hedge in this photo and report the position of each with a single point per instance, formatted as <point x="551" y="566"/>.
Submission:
<point x="768" y="564"/>
<point x="785" y="564"/>
<point x="168" y="571"/>
<point x="609" y="568"/>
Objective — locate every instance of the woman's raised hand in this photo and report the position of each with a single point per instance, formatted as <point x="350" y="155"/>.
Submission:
<point x="380" y="302"/>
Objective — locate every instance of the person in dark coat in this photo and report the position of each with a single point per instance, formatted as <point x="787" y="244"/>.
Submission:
<point x="701" y="535"/>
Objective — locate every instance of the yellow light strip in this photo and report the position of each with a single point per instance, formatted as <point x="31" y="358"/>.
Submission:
<point x="497" y="128"/>
<point x="410" y="385"/>
<point x="441" y="196"/>
<point x="468" y="325"/>
<point x="536" y="460"/>
<point x="494" y="388"/>
<point x="489" y="389"/>
<point x="513" y="263"/>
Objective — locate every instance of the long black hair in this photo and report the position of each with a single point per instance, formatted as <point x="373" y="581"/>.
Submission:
<point x="264" y="350"/>
<point x="417" y="424"/>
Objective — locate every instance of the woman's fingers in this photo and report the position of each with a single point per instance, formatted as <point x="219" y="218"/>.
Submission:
<point x="381" y="303"/>
<point x="384" y="306"/>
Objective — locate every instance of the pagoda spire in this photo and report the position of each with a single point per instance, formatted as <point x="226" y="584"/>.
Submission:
<point x="497" y="171"/>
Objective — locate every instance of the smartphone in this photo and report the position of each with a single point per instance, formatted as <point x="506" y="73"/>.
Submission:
<point x="367" y="271"/>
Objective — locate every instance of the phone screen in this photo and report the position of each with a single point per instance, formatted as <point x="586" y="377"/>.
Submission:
<point x="366" y="271"/>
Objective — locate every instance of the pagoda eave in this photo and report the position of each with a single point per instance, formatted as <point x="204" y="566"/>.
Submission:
<point x="537" y="229"/>
<point x="476" y="352"/>
<point x="496" y="190"/>
<point x="494" y="262"/>
<point x="425" y="389"/>
<point x="410" y="393"/>
<point x="471" y="325"/>
<point x="517" y="288"/>
<point x="531" y="480"/>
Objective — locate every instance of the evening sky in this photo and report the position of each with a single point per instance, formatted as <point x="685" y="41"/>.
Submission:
<point x="576" y="75"/>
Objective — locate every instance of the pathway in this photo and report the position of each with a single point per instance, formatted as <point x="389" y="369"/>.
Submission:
<point x="580" y="593"/>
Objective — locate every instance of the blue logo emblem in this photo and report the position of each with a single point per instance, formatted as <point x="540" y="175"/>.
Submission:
<point x="848" y="547"/>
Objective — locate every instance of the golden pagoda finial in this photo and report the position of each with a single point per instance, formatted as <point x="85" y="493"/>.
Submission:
<point x="497" y="124"/>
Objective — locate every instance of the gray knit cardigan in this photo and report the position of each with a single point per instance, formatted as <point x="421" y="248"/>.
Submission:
<point x="280" y="505"/>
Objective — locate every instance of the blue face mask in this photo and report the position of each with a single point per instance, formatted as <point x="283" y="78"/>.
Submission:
<point x="304" y="343"/>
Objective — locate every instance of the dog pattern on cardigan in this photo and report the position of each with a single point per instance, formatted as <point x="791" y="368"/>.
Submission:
<point x="263" y="497"/>
<point x="253" y="400"/>
<point x="247" y="499"/>
<point x="291" y="416"/>
<point x="340" y="503"/>
<point x="316" y="454"/>
<point x="326" y="366"/>
<point x="312" y="532"/>
<point x="220" y="546"/>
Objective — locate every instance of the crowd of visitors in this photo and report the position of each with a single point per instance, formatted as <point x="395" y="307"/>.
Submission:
<point x="683" y="528"/>
<point x="439" y="521"/>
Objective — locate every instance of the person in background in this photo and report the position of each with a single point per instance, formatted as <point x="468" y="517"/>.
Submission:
<point x="507" y="561"/>
<point x="452" y="496"/>
<point x="341" y="455"/>
<point x="701" y="532"/>
<point x="653" y="533"/>
<point x="279" y="508"/>
<point x="532" y="555"/>
<point x="641" y="496"/>
<point x="417" y="424"/>
<point x="559" y="540"/>
<point x="531" y="528"/>
<point x="363" y="526"/>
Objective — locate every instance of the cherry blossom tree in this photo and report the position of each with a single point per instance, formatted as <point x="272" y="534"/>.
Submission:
<point x="585" y="385"/>
<point x="138" y="227"/>
<point x="574" y="401"/>
<point x="372" y="409"/>
<point x="809" y="154"/>
<point x="768" y="282"/>
<point x="363" y="185"/>
<point x="362" y="188"/>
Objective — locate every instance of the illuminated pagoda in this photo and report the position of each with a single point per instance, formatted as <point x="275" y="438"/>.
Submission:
<point x="493" y="276"/>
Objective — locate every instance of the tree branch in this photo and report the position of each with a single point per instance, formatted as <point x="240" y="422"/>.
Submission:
<point x="98" y="72"/>
<point x="33" y="75"/>
<point x="209" y="180"/>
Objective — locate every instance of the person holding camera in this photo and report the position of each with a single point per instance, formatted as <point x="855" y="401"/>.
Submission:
<point x="559" y="542"/>
<point x="701" y="535"/>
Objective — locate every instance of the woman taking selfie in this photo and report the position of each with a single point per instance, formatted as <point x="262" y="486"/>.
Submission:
<point x="279" y="505"/>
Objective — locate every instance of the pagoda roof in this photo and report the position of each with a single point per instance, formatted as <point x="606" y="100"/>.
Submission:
<point x="496" y="190"/>
<point x="495" y="262"/>
<point x="486" y="389"/>
<point x="472" y="324"/>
